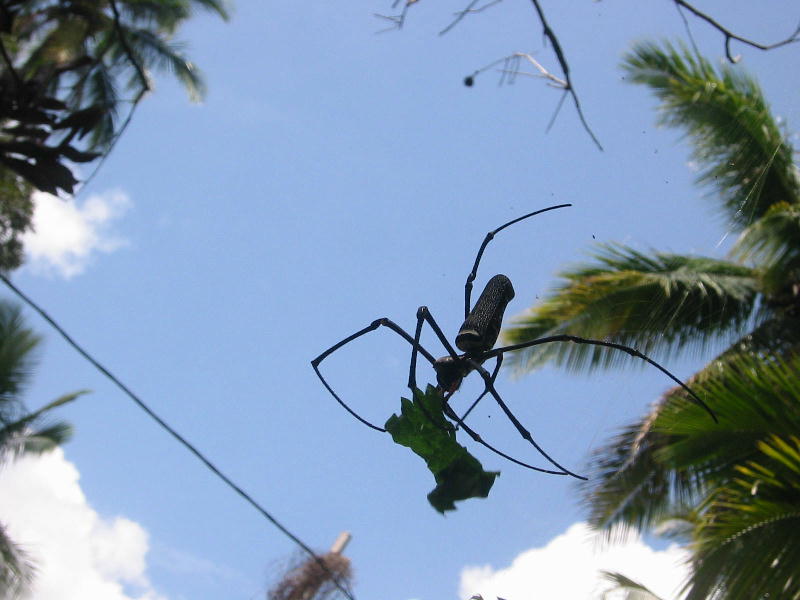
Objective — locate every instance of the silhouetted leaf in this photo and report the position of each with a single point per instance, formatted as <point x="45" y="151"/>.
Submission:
<point x="77" y="155"/>
<point x="422" y="427"/>
<point x="83" y="121"/>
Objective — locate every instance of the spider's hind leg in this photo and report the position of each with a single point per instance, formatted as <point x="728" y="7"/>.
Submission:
<point x="487" y="378"/>
<point x="485" y="391"/>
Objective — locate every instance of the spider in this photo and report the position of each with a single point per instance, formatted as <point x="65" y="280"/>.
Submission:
<point x="476" y="339"/>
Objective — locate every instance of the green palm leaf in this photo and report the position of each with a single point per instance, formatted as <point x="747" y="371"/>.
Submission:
<point x="746" y="543"/>
<point x="27" y="436"/>
<point x="667" y="461"/>
<point x="632" y="590"/>
<point x="658" y="304"/>
<point x="16" y="570"/>
<point x="153" y="51"/>
<point x="742" y="152"/>
<point x="773" y="242"/>
<point x="17" y="358"/>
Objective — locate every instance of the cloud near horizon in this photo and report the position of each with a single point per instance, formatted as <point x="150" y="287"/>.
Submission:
<point x="569" y="566"/>
<point x="78" y="554"/>
<point x="67" y="236"/>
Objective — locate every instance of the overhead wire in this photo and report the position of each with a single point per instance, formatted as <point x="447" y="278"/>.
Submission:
<point x="343" y="587"/>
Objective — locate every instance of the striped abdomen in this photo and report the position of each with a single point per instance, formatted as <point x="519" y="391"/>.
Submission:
<point x="482" y="327"/>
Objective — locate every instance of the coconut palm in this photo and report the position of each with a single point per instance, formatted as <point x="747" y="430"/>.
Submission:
<point x="21" y="432"/>
<point x="675" y="464"/>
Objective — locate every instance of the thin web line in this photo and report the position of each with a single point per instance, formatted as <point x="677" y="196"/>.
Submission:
<point x="344" y="588"/>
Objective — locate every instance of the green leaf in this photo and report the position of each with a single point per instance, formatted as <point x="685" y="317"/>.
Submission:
<point x="422" y="427"/>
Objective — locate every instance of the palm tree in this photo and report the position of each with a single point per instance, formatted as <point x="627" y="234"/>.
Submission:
<point x="21" y="432"/>
<point x="675" y="465"/>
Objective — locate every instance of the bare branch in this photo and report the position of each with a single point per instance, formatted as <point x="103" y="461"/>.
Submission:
<point x="562" y="61"/>
<point x="114" y="141"/>
<point x="145" y="88"/>
<point x="127" y="48"/>
<point x="729" y="35"/>
<point x="469" y="10"/>
<point x="397" y="20"/>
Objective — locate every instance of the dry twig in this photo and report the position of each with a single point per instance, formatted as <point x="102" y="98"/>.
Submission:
<point x="729" y="35"/>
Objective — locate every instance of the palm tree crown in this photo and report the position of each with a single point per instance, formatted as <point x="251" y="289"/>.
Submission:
<point x="729" y="490"/>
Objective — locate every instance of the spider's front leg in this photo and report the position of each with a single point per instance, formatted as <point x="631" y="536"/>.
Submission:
<point x="382" y="322"/>
<point x="424" y="316"/>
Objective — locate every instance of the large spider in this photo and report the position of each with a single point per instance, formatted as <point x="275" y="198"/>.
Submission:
<point x="476" y="339"/>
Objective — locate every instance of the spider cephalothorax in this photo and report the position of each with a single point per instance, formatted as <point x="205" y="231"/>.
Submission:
<point x="477" y="334"/>
<point x="476" y="339"/>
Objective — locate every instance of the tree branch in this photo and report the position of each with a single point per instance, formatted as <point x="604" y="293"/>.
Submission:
<point x="729" y="35"/>
<point x="10" y="65"/>
<point x="562" y="61"/>
<point x="126" y="47"/>
<point x="470" y="9"/>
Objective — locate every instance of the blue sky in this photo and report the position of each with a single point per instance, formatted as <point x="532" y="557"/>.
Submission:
<point x="332" y="176"/>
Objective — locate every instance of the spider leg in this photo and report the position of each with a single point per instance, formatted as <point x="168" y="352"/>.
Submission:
<point x="371" y="327"/>
<point x="451" y="413"/>
<point x="511" y="417"/>
<point x="486" y="389"/>
<point x="489" y="237"/>
<point x="628" y="350"/>
<point x="424" y="315"/>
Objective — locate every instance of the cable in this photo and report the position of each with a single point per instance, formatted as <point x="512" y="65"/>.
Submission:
<point x="164" y="425"/>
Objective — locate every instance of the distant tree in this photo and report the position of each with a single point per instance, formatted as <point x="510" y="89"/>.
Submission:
<point x="21" y="432"/>
<point x="66" y="69"/>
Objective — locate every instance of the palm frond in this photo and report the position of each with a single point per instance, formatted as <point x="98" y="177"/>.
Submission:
<point x="671" y="459"/>
<point x="16" y="441"/>
<point x="17" y="358"/>
<point x="658" y="304"/>
<point x="628" y="489"/>
<point x="633" y="590"/>
<point x="156" y="52"/>
<point x="16" y="569"/>
<point x="168" y="14"/>
<point x="741" y="150"/>
<point x="746" y="544"/>
<point x="776" y="336"/>
<point x="773" y="242"/>
<point x="26" y="435"/>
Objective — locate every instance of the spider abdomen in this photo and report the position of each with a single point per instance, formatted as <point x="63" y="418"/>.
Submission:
<point x="482" y="326"/>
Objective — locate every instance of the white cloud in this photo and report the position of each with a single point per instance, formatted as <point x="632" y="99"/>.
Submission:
<point x="66" y="236"/>
<point x="569" y="567"/>
<point x="78" y="554"/>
